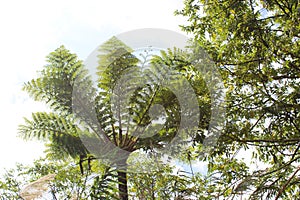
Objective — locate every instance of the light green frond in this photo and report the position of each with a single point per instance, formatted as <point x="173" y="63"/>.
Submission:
<point x="60" y="130"/>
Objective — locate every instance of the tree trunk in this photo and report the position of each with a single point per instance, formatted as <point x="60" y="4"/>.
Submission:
<point x="122" y="177"/>
<point x="123" y="190"/>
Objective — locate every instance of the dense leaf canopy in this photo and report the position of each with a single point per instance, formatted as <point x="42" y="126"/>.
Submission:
<point x="255" y="44"/>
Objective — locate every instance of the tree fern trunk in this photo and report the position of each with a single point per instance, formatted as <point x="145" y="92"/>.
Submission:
<point x="123" y="189"/>
<point x="122" y="177"/>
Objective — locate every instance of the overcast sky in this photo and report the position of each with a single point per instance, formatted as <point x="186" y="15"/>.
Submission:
<point x="32" y="29"/>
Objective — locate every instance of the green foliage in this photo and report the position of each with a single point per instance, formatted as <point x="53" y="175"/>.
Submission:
<point x="163" y="182"/>
<point x="114" y="112"/>
<point x="68" y="182"/>
<point x="59" y="128"/>
<point x="56" y="81"/>
<point x="255" y="45"/>
<point x="54" y="86"/>
<point x="61" y="131"/>
<point x="9" y="186"/>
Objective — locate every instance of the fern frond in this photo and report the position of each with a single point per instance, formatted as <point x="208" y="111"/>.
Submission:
<point x="61" y="131"/>
<point x="56" y="81"/>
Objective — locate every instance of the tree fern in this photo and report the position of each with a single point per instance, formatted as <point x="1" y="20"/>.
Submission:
<point x="115" y="114"/>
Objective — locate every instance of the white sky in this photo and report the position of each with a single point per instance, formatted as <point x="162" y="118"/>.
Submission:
<point x="31" y="29"/>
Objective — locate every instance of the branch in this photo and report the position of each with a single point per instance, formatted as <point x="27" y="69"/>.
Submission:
<point x="286" y="184"/>
<point x="270" y="140"/>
